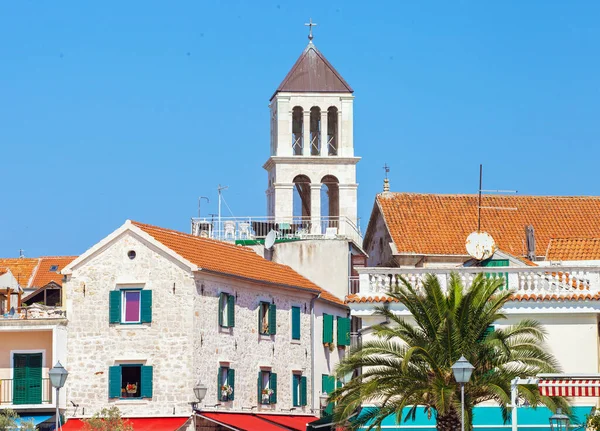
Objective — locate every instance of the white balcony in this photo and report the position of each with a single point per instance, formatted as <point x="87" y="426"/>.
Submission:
<point x="292" y="228"/>
<point x="541" y="282"/>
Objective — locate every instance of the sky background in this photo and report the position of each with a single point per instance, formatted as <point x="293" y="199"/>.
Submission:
<point x="131" y="110"/>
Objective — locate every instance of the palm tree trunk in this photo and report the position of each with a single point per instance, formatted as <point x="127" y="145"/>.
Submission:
<point x="448" y="422"/>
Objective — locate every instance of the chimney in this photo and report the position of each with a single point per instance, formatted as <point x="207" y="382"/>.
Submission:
<point x="530" y="236"/>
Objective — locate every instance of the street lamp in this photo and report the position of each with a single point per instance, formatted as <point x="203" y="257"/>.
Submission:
<point x="559" y="421"/>
<point x="462" y="370"/>
<point x="323" y="402"/>
<point x="58" y="377"/>
<point x="200" y="392"/>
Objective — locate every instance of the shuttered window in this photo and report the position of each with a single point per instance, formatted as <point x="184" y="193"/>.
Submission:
<point x="226" y="384"/>
<point x="328" y="385"/>
<point x="27" y="378"/>
<point x="267" y="387"/>
<point x="295" y="323"/>
<point x="267" y="318"/>
<point x="497" y="263"/>
<point x="343" y="331"/>
<point x="299" y="395"/>
<point x="127" y="306"/>
<point x="226" y="310"/>
<point x="130" y="381"/>
<point x="327" y="328"/>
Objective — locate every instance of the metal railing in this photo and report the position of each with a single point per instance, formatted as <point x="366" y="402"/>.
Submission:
<point x="25" y="391"/>
<point x="559" y="281"/>
<point x="248" y="228"/>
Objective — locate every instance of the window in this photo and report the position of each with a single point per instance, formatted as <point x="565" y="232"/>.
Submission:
<point x="328" y="385"/>
<point x="130" y="381"/>
<point x="267" y="323"/>
<point x="53" y="268"/>
<point x="295" y="323"/>
<point x="299" y="390"/>
<point x="327" y="328"/>
<point x="226" y="384"/>
<point x="226" y="310"/>
<point x="267" y="387"/>
<point x="343" y="331"/>
<point x="127" y="306"/>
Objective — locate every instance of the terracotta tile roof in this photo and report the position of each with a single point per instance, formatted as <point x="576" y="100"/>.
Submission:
<point x="3" y="271"/>
<point x="573" y="249"/>
<point x="440" y="224"/>
<point x="312" y="73"/>
<point x="231" y="259"/>
<point x="21" y="268"/>
<point x="45" y="271"/>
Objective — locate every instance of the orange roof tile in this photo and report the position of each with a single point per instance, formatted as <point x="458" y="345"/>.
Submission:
<point x="224" y="258"/>
<point x="573" y="249"/>
<point x="21" y="268"/>
<point x="45" y="273"/>
<point x="440" y="224"/>
<point x="3" y="271"/>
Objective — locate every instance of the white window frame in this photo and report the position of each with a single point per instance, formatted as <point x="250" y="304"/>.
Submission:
<point x="124" y="305"/>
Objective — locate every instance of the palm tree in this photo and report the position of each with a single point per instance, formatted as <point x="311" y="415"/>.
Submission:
<point x="407" y="363"/>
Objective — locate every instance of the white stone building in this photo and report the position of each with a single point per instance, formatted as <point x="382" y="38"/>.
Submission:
<point x="152" y="311"/>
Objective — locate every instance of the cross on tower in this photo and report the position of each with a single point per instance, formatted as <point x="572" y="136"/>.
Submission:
<point x="310" y="25"/>
<point x="387" y="170"/>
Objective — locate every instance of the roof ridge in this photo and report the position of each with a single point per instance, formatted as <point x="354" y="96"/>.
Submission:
<point x="393" y="194"/>
<point x="56" y="257"/>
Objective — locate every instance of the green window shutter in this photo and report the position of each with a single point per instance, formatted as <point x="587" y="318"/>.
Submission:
<point x="343" y="331"/>
<point x="487" y="332"/>
<point x="327" y="328"/>
<point x="219" y="383"/>
<point x="222" y="296"/>
<point x="328" y="385"/>
<point x="147" y="382"/>
<point x="303" y="391"/>
<point x="295" y="390"/>
<point x="273" y="385"/>
<point x="34" y="376"/>
<point x="272" y="319"/>
<point x="231" y="382"/>
<point x="295" y="323"/>
<point x="497" y="263"/>
<point x="114" y="381"/>
<point x="114" y="306"/>
<point x="259" y="387"/>
<point x="231" y="311"/>
<point x="20" y="379"/>
<point x="146" y="306"/>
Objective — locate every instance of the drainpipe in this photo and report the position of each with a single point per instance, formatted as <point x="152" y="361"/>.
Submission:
<point x="312" y="349"/>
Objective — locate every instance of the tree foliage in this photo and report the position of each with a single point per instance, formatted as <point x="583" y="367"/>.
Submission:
<point x="407" y="363"/>
<point x="107" y="420"/>
<point x="8" y="422"/>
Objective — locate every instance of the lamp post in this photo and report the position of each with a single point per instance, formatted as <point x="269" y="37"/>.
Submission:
<point x="559" y="421"/>
<point x="323" y="401"/>
<point x="200" y="392"/>
<point x="58" y="377"/>
<point x="462" y="370"/>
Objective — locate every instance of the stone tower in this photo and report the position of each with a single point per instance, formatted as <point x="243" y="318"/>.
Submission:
<point x="312" y="168"/>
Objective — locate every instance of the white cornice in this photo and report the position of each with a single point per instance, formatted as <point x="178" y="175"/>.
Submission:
<point x="310" y="160"/>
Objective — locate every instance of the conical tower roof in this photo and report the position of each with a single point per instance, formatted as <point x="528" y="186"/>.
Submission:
<point x="312" y="73"/>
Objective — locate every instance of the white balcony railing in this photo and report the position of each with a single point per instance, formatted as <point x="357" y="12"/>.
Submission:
<point x="562" y="281"/>
<point x="257" y="228"/>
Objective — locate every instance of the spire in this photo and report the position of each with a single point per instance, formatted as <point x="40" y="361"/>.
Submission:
<point x="386" y="181"/>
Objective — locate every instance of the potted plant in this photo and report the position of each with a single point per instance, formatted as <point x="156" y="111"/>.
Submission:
<point x="266" y="395"/>
<point x="226" y="391"/>
<point x="131" y="389"/>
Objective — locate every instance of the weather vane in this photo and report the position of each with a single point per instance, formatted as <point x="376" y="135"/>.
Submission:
<point x="387" y="170"/>
<point x="310" y="25"/>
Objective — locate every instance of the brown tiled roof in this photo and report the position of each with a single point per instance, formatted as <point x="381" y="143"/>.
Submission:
<point x="573" y="249"/>
<point x="440" y="224"/>
<point x="312" y="73"/>
<point x="224" y="258"/>
<point x="21" y="268"/>
<point x="42" y="274"/>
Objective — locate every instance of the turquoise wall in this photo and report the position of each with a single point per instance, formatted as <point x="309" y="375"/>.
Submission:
<point x="490" y="419"/>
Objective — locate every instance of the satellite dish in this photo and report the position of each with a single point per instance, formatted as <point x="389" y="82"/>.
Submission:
<point x="481" y="245"/>
<point x="270" y="239"/>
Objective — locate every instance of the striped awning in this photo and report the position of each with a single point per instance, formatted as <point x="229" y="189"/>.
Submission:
<point x="570" y="388"/>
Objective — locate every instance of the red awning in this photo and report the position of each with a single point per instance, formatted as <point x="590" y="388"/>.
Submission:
<point x="570" y="388"/>
<point x="252" y="422"/>
<point x="139" y="424"/>
<point x="294" y="422"/>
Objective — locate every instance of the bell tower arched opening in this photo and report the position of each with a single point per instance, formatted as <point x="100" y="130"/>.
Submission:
<point x="301" y="200"/>
<point x="297" y="128"/>
<point x="332" y="131"/>
<point x="330" y="201"/>
<point x="315" y="131"/>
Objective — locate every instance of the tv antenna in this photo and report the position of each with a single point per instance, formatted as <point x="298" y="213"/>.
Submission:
<point x="480" y="245"/>
<point x="199" y="199"/>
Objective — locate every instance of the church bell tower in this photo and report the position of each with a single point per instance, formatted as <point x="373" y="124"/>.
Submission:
<point x="312" y="167"/>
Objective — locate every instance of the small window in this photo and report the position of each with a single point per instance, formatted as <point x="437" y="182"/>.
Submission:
<point x="295" y="323"/>
<point x="131" y="307"/>
<point x="299" y="390"/>
<point x="226" y="379"/>
<point x="226" y="310"/>
<point x="130" y="381"/>
<point x="267" y="387"/>
<point x="53" y="268"/>
<point x="131" y="254"/>
<point x="267" y="314"/>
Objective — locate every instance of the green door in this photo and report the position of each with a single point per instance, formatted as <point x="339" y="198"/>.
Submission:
<point x="496" y="263"/>
<point x="27" y="379"/>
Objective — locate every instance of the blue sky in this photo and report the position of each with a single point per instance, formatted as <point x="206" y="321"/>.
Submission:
<point x="115" y="110"/>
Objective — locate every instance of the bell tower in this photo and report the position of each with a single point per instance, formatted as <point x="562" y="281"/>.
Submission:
<point x="312" y="167"/>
